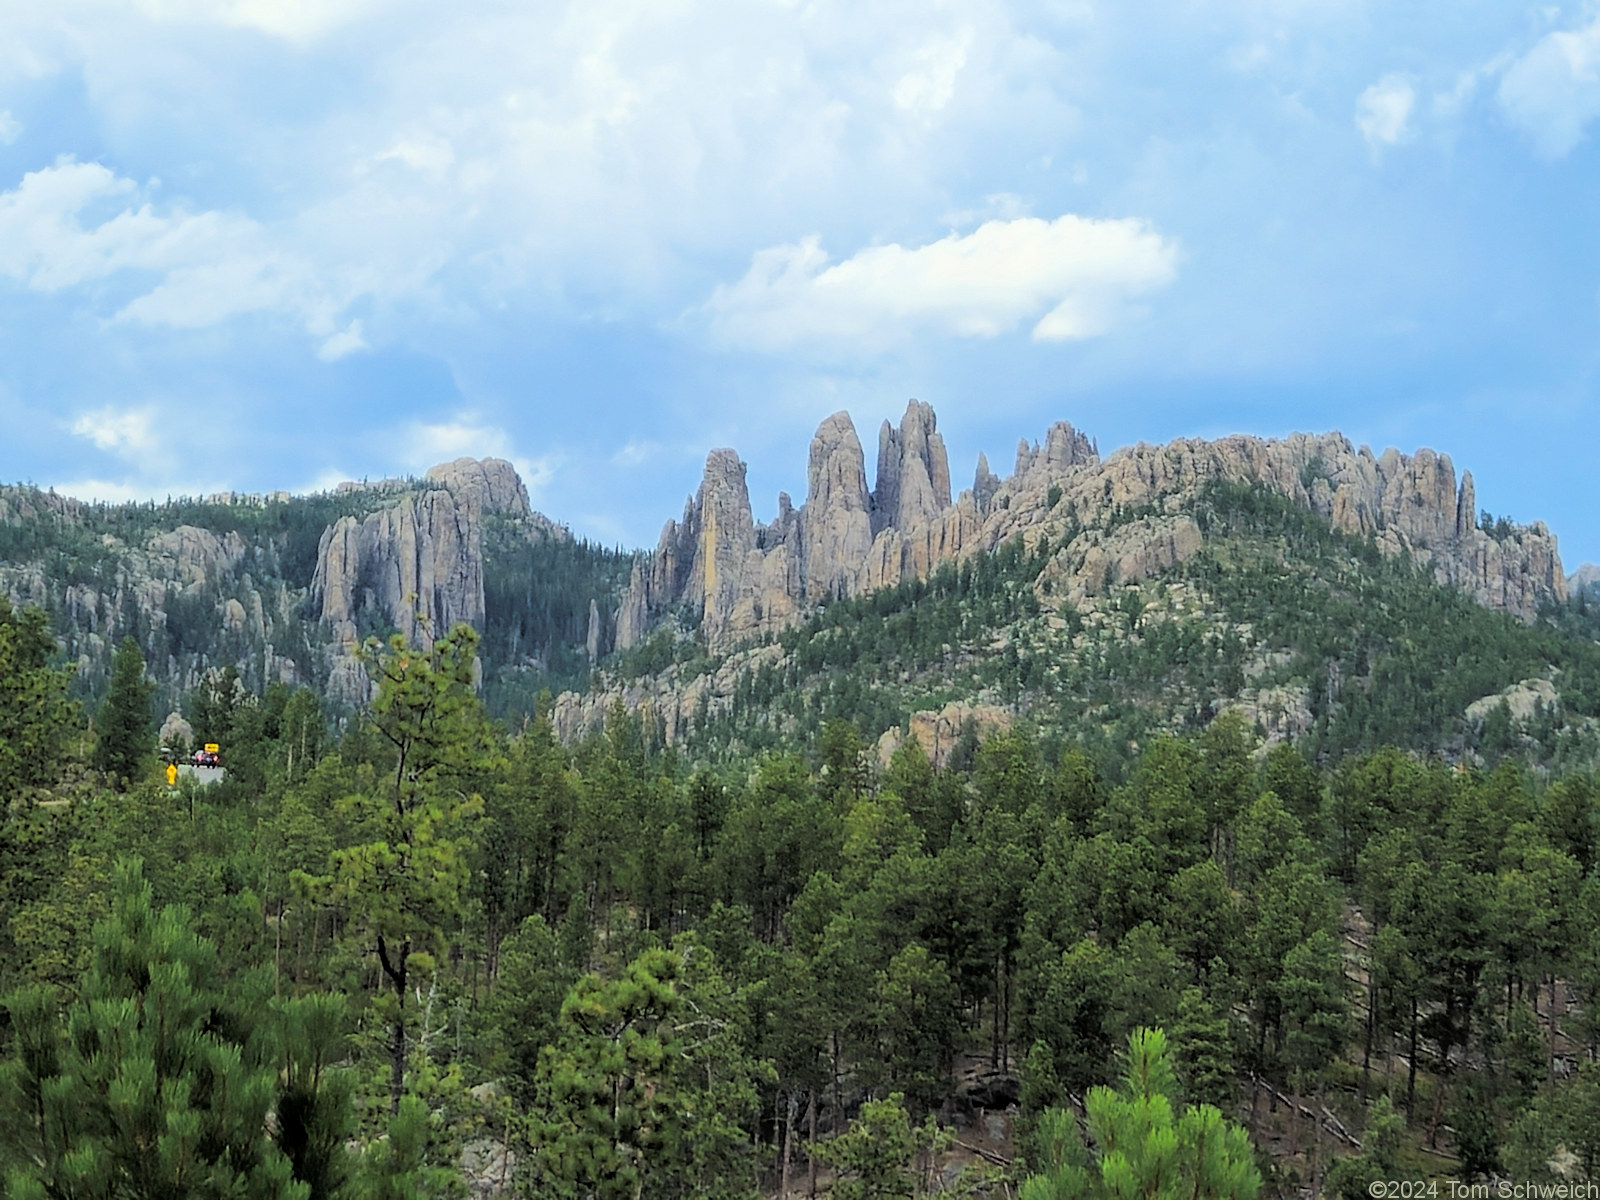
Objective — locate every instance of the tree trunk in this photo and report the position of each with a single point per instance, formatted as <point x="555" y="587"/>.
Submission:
<point x="788" y="1142"/>
<point x="1438" y="1103"/>
<point x="1005" y="1025"/>
<point x="1316" y="1153"/>
<point x="1555" y="1029"/>
<point x="277" y="952"/>
<point x="1294" y="1114"/>
<point x="1411" y="1075"/>
<point x="397" y="1032"/>
<point x="811" y="1150"/>
<point x="1372" y="1018"/>
<point x="838" y="1100"/>
<point x="994" y="1030"/>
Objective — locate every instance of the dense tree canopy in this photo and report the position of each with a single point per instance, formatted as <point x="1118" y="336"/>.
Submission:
<point x="36" y="721"/>
<point x="776" y="948"/>
<point x="125" y="726"/>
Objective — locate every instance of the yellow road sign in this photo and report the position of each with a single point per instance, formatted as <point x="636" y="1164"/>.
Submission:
<point x="212" y="748"/>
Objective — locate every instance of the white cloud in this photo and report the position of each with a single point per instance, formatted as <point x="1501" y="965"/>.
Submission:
<point x="113" y="491"/>
<point x="1071" y="277"/>
<point x="1383" y="111"/>
<point x="152" y="444"/>
<point x="326" y="480"/>
<point x="537" y="473"/>
<point x="426" y="445"/>
<point x="1553" y="91"/>
<point x="635" y="453"/>
<point x="10" y="127"/>
<point x="346" y="341"/>
<point x="429" y="154"/>
<point x="294" y="20"/>
<point x="422" y="445"/>
<point x="589" y="155"/>
<point x="128" y="433"/>
<point x="928" y="86"/>
<point x="73" y="225"/>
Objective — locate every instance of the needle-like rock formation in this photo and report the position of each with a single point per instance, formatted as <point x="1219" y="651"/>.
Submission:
<point x="742" y="579"/>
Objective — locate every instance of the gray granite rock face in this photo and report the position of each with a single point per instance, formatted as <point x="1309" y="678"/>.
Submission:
<point x="846" y="540"/>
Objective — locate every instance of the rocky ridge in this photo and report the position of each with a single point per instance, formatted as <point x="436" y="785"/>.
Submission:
<point x="150" y="586"/>
<point x="416" y="565"/>
<point x="410" y="557"/>
<point x="737" y="579"/>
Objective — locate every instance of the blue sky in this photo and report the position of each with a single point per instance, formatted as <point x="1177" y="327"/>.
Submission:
<point x="258" y="244"/>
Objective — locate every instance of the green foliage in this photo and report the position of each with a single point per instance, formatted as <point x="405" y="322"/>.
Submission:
<point x="1117" y="859"/>
<point x="125" y="727"/>
<point x="525" y="1010"/>
<point x="36" y="720"/>
<point x="314" y="1113"/>
<point x="874" y="1156"/>
<point x="397" y="1166"/>
<point x="1143" y="1146"/>
<point x="148" y="1085"/>
<point x="1408" y="653"/>
<point x="405" y="881"/>
<point x="1352" y="1178"/>
<point x="537" y="589"/>
<point x="645" y="1088"/>
<point x="1559" y="1136"/>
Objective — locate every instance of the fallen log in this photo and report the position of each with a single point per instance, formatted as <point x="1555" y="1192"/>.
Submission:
<point x="1327" y="1120"/>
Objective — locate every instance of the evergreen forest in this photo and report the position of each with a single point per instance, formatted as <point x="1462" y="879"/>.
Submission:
<point x="1125" y="944"/>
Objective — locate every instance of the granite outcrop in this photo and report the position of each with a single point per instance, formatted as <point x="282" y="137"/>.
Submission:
<point x="738" y="579"/>
<point x="415" y="565"/>
<point x="409" y="557"/>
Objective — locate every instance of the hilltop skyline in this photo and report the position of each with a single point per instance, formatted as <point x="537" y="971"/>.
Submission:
<point x="256" y="244"/>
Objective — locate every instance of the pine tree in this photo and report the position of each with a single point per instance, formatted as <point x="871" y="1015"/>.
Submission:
<point x="150" y="1086"/>
<point x="407" y="884"/>
<point x="35" y="717"/>
<point x="1143" y="1147"/>
<point x="645" y="1087"/>
<point x="873" y="1157"/>
<point x="125" y="729"/>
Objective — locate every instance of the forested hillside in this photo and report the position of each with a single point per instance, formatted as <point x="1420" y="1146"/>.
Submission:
<point x="1312" y="635"/>
<point x="783" y="952"/>
<point x="203" y="586"/>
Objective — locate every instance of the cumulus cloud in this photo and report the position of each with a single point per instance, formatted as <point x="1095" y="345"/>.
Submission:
<point x="1552" y="92"/>
<point x="590" y="155"/>
<point x="122" y="491"/>
<point x="77" y="224"/>
<point x="463" y="437"/>
<point x="1383" y="111"/>
<point x="10" y="127"/>
<point x="128" y="433"/>
<point x="1070" y="278"/>
<point x="429" y="154"/>
<point x="155" y="465"/>
<point x="347" y="341"/>
<point x="326" y="480"/>
<point x="424" y="444"/>
<point x="928" y="86"/>
<point x="635" y="453"/>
